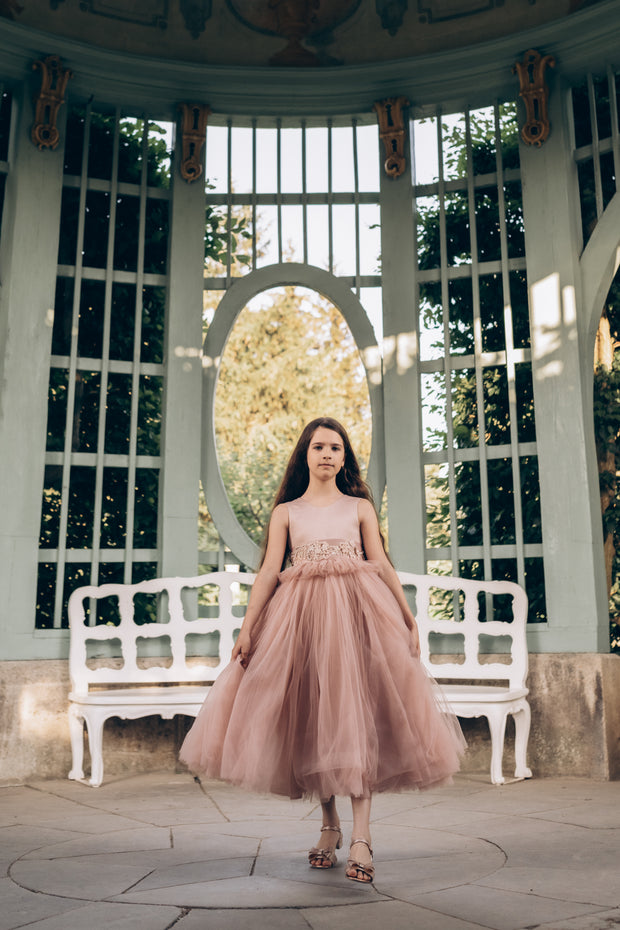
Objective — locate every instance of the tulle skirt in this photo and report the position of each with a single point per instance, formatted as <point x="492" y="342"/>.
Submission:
<point x="332" y="702"/>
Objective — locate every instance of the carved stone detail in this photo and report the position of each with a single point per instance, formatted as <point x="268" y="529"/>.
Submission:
<point x="441" y="11"/>
<point x="392" y="13"/>
<point x="193" y="129"/>
<point x="535" y="95"/>
<point x="195" y="14"/>
<point x="10" y="9"/>
<point x="54" y="80"/>
<point x="392" y="132"/>
<point x="144" y="12"/>
<point x="294" y="19"/>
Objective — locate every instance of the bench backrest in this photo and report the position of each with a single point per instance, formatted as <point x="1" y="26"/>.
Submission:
<point x="179" y="629"/>
<point x="467" y="641"/>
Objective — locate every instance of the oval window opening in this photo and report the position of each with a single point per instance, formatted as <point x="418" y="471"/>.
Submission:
<point x="290" y="357"/>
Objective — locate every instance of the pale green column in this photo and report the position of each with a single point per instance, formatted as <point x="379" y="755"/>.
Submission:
<point x="403" y="429"/>
<point x="182" y="417"/>
<point x="28" y="261"/>
<point x="562" y="372"/>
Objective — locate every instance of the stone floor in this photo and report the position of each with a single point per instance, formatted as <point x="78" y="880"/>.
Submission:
<point x="161" y="850"/>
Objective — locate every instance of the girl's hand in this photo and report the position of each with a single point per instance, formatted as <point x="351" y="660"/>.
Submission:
<point x="415" y="638"/>
<point x="242" y="648"/>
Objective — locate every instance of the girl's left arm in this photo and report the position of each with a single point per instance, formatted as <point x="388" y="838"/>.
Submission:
<point x="373" y="547"/>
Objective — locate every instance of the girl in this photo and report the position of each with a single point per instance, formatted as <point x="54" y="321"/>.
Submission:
<point x="325" y="693"/>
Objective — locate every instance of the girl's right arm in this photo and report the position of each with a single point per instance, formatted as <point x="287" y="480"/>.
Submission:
<point x="266" y="581"/>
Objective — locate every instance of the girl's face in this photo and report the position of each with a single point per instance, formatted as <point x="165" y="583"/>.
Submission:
<point x="325" y="454"/>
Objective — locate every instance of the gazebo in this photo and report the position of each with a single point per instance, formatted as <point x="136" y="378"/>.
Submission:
<point x="445" y="172"/>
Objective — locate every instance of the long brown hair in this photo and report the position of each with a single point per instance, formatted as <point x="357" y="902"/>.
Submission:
<point x="297" y="476"/>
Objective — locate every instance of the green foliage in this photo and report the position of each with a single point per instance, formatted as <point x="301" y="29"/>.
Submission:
<point x="607" y="435"/>
<point x="582" y="117"/>
<point x="143" y="157"/>
<point x="286" y="362"/>
<point x="227" y="236"/>
<point x="464" y="391"/>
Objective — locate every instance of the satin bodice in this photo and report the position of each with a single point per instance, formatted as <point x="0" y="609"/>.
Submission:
<point x="315" y="531"/>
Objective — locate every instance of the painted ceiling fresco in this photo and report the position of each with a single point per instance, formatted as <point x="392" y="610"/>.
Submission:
<point x="285" y="32"/>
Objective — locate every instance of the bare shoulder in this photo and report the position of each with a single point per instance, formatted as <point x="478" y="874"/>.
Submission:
<point x="366" y="511"/>
<point x="279" y="517"/>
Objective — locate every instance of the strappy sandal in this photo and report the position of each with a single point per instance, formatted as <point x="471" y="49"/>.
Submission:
<point x="353" y="865"/>
<point x="327" y="855"/>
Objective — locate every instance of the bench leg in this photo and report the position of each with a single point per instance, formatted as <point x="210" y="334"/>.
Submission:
<point x="94" y="726"/>
<point x="522" y="718"/>
<point x="497" y="728"/>
<point x="76" y="732"/>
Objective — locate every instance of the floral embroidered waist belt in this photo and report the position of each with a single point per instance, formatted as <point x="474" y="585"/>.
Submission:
<point x="320" y="550"/>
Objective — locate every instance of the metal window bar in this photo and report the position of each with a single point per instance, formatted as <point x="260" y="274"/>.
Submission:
<point x="71" y="375"/>
<point x="253" y="197"/>
<point x="596" y="153"/>
<point x="510" y="353"/>
<point x="615" y="134"/>
<point x="477" y="324"/>
<point x="279" y="184"/>
<point x="135" y="375"/>
<point x="356" y="201"/>
<point x="229" y="186"/>
<point x="4" y="165"/>
<point x="105" y="366"/>
<point x="330" y="201"/>
<point x="447" y="359"/>
<point x="304" y="192"/>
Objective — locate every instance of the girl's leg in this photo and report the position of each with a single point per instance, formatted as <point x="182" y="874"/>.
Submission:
<point x="361" y="831"/>
<point x="329" y="838"/>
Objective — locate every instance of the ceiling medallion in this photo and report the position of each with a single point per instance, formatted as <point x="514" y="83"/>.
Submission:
<point x="295" y="21"/>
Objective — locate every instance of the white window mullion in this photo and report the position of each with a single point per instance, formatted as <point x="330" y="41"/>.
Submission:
<point x="356" y="201"/>
<point x="510" y="359"/>
<point x="447" y="361"/>
<point x="615" y="134"/>
<point x="135" y="376"/>
<point x="475" y="272"/>
<point x="596" y="151"/>
<point x="279" y="186"/>
<point x="229" y="220"/>
<point x="304" y="192"/>
<point x="71" y="376"/>
<point x="253" y="204"/>
<point x="330" y="201"/>
<point x="105" y="362"/>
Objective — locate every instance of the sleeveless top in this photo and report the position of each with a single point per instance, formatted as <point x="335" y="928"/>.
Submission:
<point x="317" y="533"/>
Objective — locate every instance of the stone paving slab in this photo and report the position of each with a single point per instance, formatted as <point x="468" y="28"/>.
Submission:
<point x="112" y="917"/>
<point x="563" y="883"/>
<point x="264" y="919"/>
<point x="388" y="915"/>
<point x="20" y="907"/>
<point x="166" y="852"/>
<point x="500" y="910"/>
<point x="604" y="920"/>
<point x="258" y="892"/>
<point x="116" y="841"/>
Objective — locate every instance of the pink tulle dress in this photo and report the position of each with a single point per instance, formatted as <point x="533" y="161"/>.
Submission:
<point x="332" y="702"/>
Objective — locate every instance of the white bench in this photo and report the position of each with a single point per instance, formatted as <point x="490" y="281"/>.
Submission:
<point x="140" y="688"/>
<point x="473" y="664"/>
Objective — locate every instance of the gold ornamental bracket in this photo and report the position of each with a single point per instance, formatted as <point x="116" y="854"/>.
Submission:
<point x="535" y="94"/>
<point x="392" y="133"/>
<point x="54" y="79"/>
<point x="193" y="129"/>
